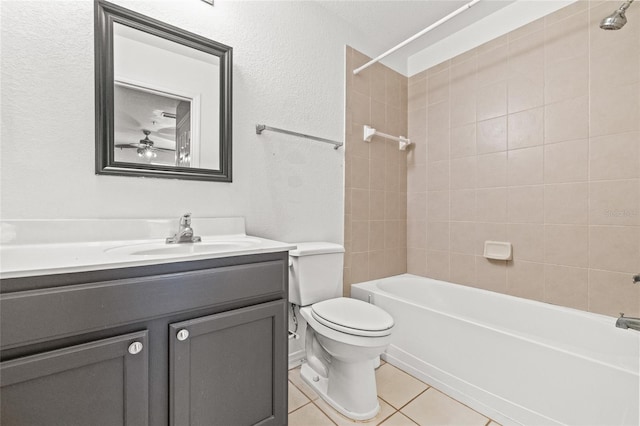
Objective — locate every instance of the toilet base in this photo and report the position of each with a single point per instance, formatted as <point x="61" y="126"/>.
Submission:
<point x="320" y="385"/>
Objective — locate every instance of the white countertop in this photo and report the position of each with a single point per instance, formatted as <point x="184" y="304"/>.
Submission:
<point x="32" y="248"/>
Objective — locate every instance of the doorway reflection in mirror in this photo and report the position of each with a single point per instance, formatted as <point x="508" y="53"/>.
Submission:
<point x="152" y="127"/>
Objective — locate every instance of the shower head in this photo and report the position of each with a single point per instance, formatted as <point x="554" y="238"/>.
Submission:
<point x="617" y="19"/>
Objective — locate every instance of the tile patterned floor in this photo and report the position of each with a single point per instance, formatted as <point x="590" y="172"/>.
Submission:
<point x="404" y="401"/>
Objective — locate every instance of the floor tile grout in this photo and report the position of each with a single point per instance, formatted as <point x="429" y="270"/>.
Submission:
<point x="302" y="391"/>
<point x="387" y="418"/>
<point x="437" y="390"/>
<point x="325" y="414"/>
<point x="395" y="410"/>
<point x="413" y="399"/>
<point x="303" y="405"/>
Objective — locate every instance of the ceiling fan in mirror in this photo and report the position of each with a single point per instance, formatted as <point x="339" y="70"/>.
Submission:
<point x="145" y="147"/>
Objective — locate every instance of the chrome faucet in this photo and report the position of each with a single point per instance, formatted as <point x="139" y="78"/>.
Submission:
<point x="185" y="232"/>
<point x="624" y="322"/>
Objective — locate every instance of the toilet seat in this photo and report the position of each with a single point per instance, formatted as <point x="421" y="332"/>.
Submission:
<point x="353" y="316"/>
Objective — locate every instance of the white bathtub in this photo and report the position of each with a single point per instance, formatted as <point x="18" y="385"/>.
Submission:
<point x="514" y="360"/>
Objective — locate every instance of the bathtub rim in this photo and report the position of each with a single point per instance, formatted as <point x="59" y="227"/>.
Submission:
<point x="582" y="313"/>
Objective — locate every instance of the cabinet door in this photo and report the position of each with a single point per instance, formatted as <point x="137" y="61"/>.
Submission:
<point x="99" y="383"/>
<point x="230" y="369"/>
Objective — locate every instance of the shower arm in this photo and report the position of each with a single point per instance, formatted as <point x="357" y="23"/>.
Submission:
<point x="625" y="6"/>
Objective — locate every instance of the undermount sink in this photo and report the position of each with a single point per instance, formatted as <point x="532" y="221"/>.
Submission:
<point x="163" y="249"/>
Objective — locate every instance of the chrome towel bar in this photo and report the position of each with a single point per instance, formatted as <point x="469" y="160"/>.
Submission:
<point x="261" y="127"/>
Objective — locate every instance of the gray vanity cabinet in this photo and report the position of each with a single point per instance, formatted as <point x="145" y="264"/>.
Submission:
<point x="99" y="383"/>
<point x="223" y="368"/>
<point x="187" y="343"/>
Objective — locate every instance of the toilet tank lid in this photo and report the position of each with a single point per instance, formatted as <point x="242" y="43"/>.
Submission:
<point x="318" y="247"/>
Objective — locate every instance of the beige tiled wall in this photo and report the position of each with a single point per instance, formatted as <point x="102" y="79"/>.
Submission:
<point x="375" y="173"/>
<point x="533" y="138"/>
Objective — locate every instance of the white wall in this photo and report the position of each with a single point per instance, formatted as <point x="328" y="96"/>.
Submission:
<point x="288" y="72"/>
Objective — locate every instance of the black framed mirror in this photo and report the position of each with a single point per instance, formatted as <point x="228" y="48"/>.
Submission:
<point x="163" y="99"/>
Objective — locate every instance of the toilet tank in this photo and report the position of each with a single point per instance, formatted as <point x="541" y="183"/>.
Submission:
<point x="315" y="272"/>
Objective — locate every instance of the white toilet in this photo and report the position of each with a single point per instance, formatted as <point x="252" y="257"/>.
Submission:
<point x="344" y="336"/>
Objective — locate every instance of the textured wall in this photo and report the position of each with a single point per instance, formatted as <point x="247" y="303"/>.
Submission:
<point x="533" y="138"/>
<point x="287" y="188"/>
<point x="375" y="173"/>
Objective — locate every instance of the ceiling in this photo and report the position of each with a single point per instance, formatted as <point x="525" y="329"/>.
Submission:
<point x="380" y="25"/>
<point x="137" y="109"/>
<point x="389" y="22"/>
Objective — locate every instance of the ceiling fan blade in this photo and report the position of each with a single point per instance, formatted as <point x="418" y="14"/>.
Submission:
<point x="167" y="131"/>
<point x="126" y="120"/>
<point x="163" y="149"/>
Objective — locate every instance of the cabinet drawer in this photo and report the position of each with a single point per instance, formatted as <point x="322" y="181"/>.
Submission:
<point x="39" y="315"/>
<point x="98" y="383"/>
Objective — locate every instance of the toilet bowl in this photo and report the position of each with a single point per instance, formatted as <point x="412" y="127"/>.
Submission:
<point x="341" y="355"/>
<point x="344" y="337"/>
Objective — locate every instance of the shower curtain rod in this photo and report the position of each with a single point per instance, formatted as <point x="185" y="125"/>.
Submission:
<point x="370" y="132"/>
<point x="420" y="34"/>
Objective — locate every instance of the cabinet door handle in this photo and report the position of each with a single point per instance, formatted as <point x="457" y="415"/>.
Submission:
<point x="135" y="348"/>
<point x="183" y="334"/>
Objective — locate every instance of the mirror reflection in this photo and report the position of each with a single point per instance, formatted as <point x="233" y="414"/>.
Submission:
<point x="158" y="101"/>
<point x="159" y="113"/>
